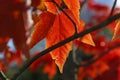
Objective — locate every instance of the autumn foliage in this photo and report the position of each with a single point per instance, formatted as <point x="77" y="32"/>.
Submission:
<point x="95" y="56"/>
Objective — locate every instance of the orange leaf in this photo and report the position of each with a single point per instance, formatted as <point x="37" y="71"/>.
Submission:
<point x="64" y="28"/>
<point x="42" y="27"/>
<point x="74" y="6"/>
<point x="87" y="39"/>
<point x="59" y="32"/>
<point x="117" y="30"/>
<point x="57" y="29"/>
<point x="51" y="7"/>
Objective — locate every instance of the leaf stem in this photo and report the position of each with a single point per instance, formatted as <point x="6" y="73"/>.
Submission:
<point x="75" y="26"/>
<point x="46" y="51"/>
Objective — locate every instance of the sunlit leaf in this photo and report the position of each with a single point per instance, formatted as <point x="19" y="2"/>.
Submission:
<point x="42" y="27"/>
<point x="74" y="6"/>
<point x="56" y="30"/>
<point x="87" y="39"/>
<point x="116" y="31"/>
<point x="59" y="32"/>
<point x="51" y="7"/>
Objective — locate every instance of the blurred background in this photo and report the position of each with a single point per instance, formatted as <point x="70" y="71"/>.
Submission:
<point x="17" y="20"/>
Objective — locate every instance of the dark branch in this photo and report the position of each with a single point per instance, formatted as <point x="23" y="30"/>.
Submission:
<point x="101" y="56"/>
<point x="2" y="76"/>
<point x="75" y="26"/>
<point x="99" y="26"/>
<point x="83" y="4"/>
<point x="113" y="7"/>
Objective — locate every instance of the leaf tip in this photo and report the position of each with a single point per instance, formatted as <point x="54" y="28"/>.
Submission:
<point x="87" y="39"/>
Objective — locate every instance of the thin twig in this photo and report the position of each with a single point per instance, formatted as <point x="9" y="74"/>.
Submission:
<point x="83" y="4"/>
<point x="113" y="7"/>
<point x="46" y="51"/>
<point x="2" y="76"/>
<point x="101" y="56"/>
<point x="75" y="26"/>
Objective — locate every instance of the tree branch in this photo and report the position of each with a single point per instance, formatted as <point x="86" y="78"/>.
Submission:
<point x="99" y="26"/>
<point x="2" y="76"/>
<point x="113" y="7"/>
<point x="83" y="4"/>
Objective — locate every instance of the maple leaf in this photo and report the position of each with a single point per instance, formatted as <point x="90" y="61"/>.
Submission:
<point x="74" y="6"/>
<point x="51" y="7"/>
<point x="117" y="30"/>
<point x="55" y="31"/>
<point x="63" y="32"/>
<point x="87" y="39"/>
<point x="42" y="27"/>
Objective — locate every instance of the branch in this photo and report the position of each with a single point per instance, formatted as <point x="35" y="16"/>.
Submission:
<point x="99" y="26"/>
<point x="2" y="76"/>
<point x="83" y="4"/>
<point x="101" y="56"/>
<point x="113" y="7"/>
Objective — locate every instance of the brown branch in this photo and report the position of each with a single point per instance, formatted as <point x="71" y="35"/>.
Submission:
<point x="46" y="51"/>
<point x="83" y="4"/>
<point x="2" y="76"/>
<point x="113" y="7"/>
<point x="101" y="56"/>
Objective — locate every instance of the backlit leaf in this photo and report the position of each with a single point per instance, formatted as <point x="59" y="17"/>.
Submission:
<point x="42" y="27"/>
<point x="56" y="30"/>
<point x="59" y="32"/>
<point x="51" y="7"/>
<point x="87" y="39"/>
<point x="74" y="6"/>
<point x="117" y="30"/>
